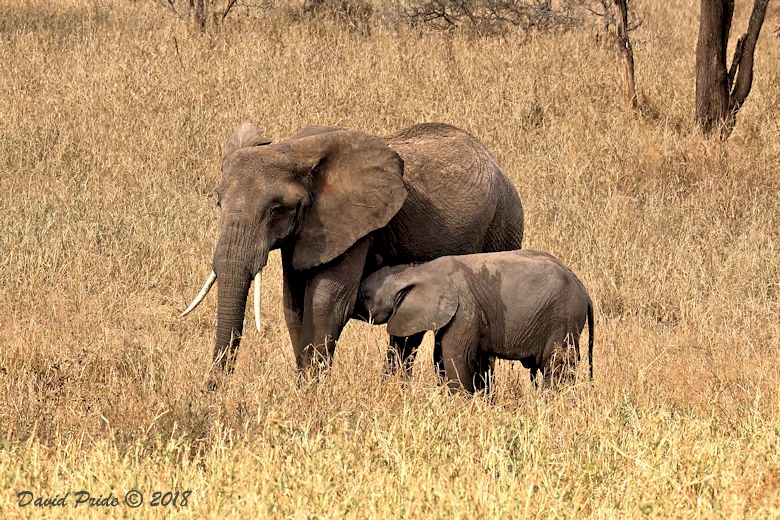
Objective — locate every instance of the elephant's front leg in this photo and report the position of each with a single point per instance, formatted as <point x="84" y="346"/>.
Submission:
<point x="293" y="295"/>
<point x="401" y="353"/>
<point x="460" y="355"/>
<point x="459" y="365"/>
<point x="328" y="303"/>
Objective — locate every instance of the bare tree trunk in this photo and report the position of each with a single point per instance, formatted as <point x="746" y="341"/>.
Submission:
<point x="712" y="90"/>
<point x="720" y="92"/>
<point x="742" y="63"/>
<point x="626" y="53"/>
<point x="198" y="10"/>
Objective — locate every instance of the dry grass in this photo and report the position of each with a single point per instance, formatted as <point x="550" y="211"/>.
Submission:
<point x="111" y="146"/>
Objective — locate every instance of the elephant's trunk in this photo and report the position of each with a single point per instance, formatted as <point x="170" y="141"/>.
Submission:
<point x="240" y="256"/>
<point x="231" y="303"/>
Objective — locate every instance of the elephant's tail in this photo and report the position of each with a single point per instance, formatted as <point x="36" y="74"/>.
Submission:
<point x="590" y="338"/>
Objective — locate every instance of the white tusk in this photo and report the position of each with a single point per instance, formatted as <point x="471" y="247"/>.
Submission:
<point x="202" y="294"/>
<point x="258" y="282"/>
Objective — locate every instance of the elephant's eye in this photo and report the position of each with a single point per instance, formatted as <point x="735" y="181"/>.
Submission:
<point x="278" y="209"/>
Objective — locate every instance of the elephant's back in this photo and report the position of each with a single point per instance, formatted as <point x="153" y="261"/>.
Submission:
<point x="528" y="297"/>
<point x="455" y="192"/>
<point x="422" y="131"/>
<point x="436" y="153"/>
<point x="536" y="275"/>
<point x="505" y="232"/>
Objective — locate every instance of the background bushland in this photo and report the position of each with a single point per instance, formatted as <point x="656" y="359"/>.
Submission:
<point x="113" y="116"/>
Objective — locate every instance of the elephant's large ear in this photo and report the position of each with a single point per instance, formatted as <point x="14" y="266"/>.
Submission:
<point x="423" y="306"/>
<point x="245" y="134"/>
<point x="357" y="187"/>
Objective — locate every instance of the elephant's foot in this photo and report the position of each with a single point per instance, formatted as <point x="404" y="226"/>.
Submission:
<point x="315" y="360"/>
<point x="561" y="369"/>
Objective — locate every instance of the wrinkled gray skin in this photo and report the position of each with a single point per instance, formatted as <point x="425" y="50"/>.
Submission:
<point x="340" y="204"/>
<point x="519" y="305"/>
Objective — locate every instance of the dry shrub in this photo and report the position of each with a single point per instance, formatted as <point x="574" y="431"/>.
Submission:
<point x="496" y="17"/>
<point x="211" y="14"/>
<point x="354" y="15"/>
<point x="489" y="17"/>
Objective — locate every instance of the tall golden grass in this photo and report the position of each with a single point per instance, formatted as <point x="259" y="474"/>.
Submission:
<point x="112" y="118"/>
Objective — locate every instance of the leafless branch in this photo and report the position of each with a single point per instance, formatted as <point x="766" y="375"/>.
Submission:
<point x="201" y="12"/>
<point x="490" y="16"/>
<point x="626" y="53"/>
<point x="742" y="65"/>
<point x="230" y="5"/>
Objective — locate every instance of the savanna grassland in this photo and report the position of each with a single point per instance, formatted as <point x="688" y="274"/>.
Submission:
<point x="112" y="120"/>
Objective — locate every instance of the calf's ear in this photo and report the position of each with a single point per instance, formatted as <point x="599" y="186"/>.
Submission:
<point x="422" y="306"/>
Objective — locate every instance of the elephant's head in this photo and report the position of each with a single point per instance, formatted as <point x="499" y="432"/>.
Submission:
<point x="408" y="299"/>
<point x="316" y="194"/>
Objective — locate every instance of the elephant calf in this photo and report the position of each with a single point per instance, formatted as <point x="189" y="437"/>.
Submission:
<point x="520" y="305"/>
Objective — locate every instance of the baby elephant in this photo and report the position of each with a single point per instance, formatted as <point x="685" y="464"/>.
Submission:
<point x="521" y="305"/>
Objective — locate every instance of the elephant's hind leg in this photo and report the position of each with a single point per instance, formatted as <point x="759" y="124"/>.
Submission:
<point x="483" y="373"/>
<point x="561" y="366"/>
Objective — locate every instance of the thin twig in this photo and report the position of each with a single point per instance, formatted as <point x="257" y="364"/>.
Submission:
<point x="178" y="54"/>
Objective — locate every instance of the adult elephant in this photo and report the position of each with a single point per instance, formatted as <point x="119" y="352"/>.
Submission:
<point x="340" y="204"/>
